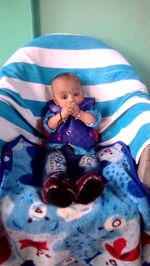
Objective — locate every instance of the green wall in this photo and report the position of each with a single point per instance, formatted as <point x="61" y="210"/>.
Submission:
<point x="124" y="24"/>
<point x="16" y="26"/>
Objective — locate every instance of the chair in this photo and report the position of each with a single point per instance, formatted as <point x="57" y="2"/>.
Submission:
<point x="109" y="230"/>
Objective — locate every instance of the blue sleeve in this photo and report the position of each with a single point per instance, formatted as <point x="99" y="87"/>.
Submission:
<point x="97" y="115"/>
<point x="45" y="122"/>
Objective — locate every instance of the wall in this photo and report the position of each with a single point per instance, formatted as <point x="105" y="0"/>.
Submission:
<point x="16" y="26"/>
<point x="124" y="24"/>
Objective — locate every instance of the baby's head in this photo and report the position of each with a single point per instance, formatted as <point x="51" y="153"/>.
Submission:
<point x="66" y="88"/>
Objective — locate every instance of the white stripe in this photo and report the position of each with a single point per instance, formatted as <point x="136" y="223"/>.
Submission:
<point x="25" y="113"/>
<point x="101" y="92"/>
<point x="56" y="58"/>
<point x="27" y="90"/>
<point x="106" y="122"/>
<point x="111" y="91"/>
<point x="10" y="131"/>
<point x="128" y="133"/>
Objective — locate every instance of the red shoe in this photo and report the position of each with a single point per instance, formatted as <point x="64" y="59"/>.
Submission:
<point x="89" y="187"/>
<point x="57" y="191"/>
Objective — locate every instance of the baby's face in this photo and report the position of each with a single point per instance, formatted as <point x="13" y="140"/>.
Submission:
<point x="66" y="91"/>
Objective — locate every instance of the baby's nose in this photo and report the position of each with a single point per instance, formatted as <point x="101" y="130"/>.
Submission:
<point x="70" y="98"/>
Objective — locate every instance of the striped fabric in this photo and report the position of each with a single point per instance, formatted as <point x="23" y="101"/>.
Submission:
<point x="105" y="74"/>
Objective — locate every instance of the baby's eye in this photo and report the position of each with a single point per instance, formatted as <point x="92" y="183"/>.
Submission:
<point x="64" y="97"/>
<point x="76" y="94"/>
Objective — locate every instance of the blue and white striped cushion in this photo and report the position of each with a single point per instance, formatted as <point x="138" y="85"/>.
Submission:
<point x="105" y="74"/>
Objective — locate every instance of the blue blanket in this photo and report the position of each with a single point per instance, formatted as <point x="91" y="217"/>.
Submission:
<point x="113" y="230"/>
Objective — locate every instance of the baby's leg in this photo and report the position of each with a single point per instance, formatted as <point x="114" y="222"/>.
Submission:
<point x="56" y="188"/>
<point x="90" y="184"/>
<point x="144" y="167"/>
<point x="55" y="162"/>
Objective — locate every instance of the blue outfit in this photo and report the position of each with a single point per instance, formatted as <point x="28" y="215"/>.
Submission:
<point x="73" y="132"/>
<point x="71" y="144"/>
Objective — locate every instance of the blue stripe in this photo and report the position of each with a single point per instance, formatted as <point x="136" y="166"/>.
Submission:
<point x="67" y="42"/>
<point x="16" y="97"/>
<point x="1" y="74"/>
<point x="108" y="108"/>
<point x="38" y="108"/>
<point x="90" y="76"/>
<point x="124" y="121"/>
<point x="141" y="137"/>
<point x="11" y="115"/>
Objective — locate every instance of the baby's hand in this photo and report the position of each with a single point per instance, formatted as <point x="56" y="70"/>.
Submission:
<point x="75" y="110"/>
<point x="66" y="111"/>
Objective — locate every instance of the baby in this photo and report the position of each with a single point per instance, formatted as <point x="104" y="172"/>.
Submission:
<point x="71" y="167"/>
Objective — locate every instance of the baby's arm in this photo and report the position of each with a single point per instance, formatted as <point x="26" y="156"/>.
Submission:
<point x="86" y="117"/>
<point x="54" y="121"/>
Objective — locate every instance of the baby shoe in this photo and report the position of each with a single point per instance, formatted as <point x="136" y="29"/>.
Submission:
<point x="57" y="191"/>
<point x="89" y="187"/>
